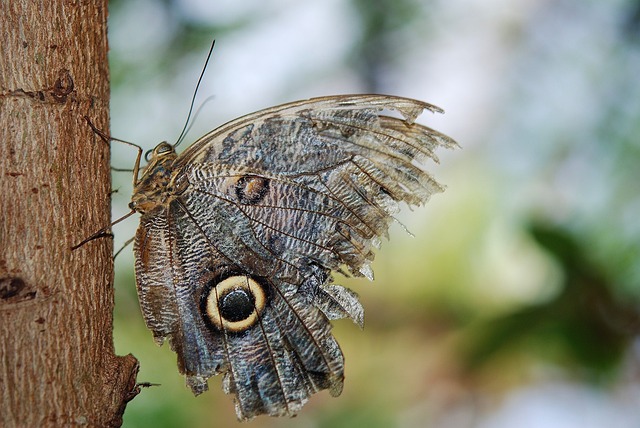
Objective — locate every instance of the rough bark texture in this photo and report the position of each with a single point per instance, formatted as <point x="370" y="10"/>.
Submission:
<point x="57" y="361"/>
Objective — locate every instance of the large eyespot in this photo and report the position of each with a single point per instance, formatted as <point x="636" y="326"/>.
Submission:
<point x="235" y="303"/>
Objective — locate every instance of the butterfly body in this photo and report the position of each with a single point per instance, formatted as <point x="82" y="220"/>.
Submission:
<point x="240" y="233"/>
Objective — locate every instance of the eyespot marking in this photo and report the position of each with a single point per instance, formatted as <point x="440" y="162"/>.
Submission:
<point x="251" y="189"/>
<point x="235" y="303"/>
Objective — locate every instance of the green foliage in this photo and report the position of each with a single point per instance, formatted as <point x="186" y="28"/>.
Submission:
<point x="586" y="327"/>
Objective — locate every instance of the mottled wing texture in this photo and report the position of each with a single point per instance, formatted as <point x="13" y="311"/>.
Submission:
<point x="279" y="199"/>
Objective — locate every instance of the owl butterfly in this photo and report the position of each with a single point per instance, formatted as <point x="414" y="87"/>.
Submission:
<point x="240" y="233"/>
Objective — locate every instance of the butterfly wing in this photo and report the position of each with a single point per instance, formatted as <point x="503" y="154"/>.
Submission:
<point x="234" y="265"/>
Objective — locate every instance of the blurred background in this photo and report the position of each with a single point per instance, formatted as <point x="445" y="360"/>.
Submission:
<point x="516" y="303"/>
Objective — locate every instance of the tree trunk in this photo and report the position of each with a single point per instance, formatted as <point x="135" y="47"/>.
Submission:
<point x="57" y="361"/>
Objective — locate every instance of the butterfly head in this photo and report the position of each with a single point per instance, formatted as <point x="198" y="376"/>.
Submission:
<point x="155" y="186"/>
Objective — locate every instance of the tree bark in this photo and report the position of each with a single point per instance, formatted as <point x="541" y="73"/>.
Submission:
<point x="57" y="360"/>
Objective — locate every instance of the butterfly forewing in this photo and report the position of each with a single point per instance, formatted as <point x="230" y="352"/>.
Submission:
<point x="240" y="233"/>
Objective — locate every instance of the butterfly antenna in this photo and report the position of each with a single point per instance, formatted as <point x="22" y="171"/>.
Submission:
<point x="193" y="99"/>
<point x="197" y="113"/>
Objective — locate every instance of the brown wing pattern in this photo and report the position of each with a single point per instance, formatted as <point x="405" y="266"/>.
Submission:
<point x="234" y="259"/>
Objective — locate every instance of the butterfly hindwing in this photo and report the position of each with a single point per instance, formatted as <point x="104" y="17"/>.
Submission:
<point x="272" y="366"/>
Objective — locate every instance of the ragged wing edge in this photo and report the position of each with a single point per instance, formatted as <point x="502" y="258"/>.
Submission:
<point x="409" y="108"/>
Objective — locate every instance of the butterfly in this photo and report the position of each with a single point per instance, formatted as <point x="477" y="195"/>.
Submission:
<point x="239" y="236"/>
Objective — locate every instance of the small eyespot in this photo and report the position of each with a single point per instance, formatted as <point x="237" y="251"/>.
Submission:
<point x="235" y="303"/>
<point x="251" y="189"/>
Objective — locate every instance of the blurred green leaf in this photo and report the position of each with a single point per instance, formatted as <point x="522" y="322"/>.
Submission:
<point x="586" y="326"/>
